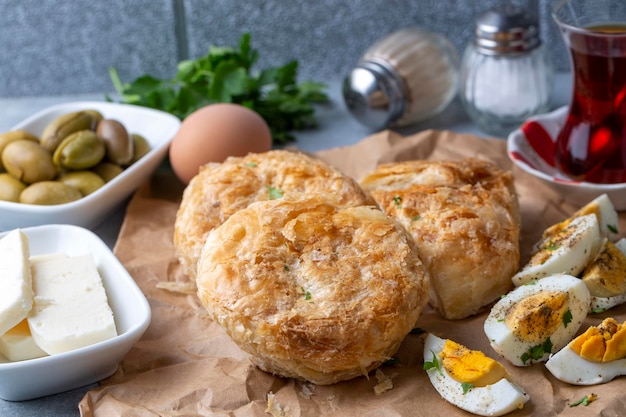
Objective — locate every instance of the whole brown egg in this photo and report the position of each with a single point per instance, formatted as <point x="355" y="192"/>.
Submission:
<point x="215" y="132"/>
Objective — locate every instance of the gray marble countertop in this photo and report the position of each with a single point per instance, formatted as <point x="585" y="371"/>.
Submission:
<point x="336" y="128"/>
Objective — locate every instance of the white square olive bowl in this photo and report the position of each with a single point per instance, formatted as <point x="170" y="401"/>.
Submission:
<point x="157" y="127"/>
<point x="33" y="378"/>
<point x="531" y="148"/>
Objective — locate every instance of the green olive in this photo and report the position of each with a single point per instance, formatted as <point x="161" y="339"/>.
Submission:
<point x="141" y="147"/>
<point x="80" y="150"/>
<point x="95" y="114"/>
<point x="66" y="124"/>
<point x="10" y="188"/>
<point x="119" y="144"/>
<point x="84" y="181"/>
<point x="28" y="161"/>
<point x="107" y="170"/>
<point x="12" y="136"/>
<point x="49" y="193"/>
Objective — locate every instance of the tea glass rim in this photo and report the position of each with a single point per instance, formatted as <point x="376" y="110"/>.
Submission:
<point x="561" y="24"/>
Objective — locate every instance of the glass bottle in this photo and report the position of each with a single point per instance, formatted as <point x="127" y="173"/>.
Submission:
<point x="505" y="74"/>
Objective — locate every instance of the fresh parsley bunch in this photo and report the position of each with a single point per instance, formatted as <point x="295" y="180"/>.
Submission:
<point x="225" y="75"/>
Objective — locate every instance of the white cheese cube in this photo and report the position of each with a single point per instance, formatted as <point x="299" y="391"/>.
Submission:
<point x="70" y="308"/>
<point x="16" y="293"/>
<point x="17" y="344"/>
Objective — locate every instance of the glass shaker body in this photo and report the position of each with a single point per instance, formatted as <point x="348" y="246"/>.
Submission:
<point x="500" y="91"/>
<point x="406" y="77"/>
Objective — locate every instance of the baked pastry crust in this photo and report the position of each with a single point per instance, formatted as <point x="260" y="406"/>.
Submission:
<point x="221" y="189"/>
<point x="464" y="217"/>
<point x="311" y="290"/>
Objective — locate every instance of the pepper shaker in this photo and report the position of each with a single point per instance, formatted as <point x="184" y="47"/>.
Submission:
<point x="406" y="77"/>
<point x="505" y="73"/>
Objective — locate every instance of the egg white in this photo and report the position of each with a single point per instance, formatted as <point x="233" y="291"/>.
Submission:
<point x="574" y="252"/>
<point x="491" y="400"/>
<point x="513" y="348"/>
<point x="569" y="367"/>
<point x="608" y="218"/>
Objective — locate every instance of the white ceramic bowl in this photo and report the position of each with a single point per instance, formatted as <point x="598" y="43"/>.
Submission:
<point x="531" y="147"/>
<point x="48" y="375"/>
<point x="156" y="126"/>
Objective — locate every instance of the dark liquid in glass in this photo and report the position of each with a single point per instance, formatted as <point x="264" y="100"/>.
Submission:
<point x="592" y="144"/>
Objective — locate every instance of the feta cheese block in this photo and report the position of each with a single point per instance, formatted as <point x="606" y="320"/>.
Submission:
<point x="18" y="344"/>
<point x="70" y="308"/>
<point x="16" y="293"/>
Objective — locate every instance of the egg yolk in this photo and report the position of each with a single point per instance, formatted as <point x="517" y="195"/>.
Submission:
<point x="606" y="276"/>
<point x="536" y="317"/>
<point x="603" y="343"/>
<point x="559" y="227"/>
<point x="470" y="366"/>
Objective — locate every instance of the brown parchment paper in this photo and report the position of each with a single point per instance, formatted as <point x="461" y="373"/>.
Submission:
<point x="185" y="365"/>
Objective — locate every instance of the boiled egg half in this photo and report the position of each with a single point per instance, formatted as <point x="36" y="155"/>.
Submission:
<point x="565" y="250"/>
<point x="602" y="208"/>
<point x="536" y="319"/>
<point x="605" y="277"/>
<point x="596" y="356"/>
<point x="469" y="379"/>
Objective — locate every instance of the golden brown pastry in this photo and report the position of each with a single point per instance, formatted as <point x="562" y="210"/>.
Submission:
<point x="221" y="189"/>
<point x="464" y="217"/>
<point x="310" y="290"/>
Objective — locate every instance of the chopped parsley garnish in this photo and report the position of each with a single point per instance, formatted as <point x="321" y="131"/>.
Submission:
<point x="307" y="294"/>
<point x="417" y="217"/>
<point x="537" y="352"/>
<point x="552" y="246"/>
<point x="286" y="267"/>
<point x="275" y="193"/>
<point x="397" y="201"/>
<point x="466" y="387"/>
<point x="433" y="364"/>
<point x="531" y="282"/>
<point x="598" y="310"/>
<point x="567" y="318"/>
<point x="612" y="228"/>
<point x="586" y="400"/>
<point x="251" y="164"/>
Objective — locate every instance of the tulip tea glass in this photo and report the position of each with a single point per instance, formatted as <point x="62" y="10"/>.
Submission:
<point x="592" y="144"/>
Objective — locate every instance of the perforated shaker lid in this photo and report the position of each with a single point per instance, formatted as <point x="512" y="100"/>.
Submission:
<point x="506" y="29"/>
<point x="373" y="94"/>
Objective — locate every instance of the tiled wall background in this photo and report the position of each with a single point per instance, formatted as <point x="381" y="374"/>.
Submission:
<point x="55" y="47"/>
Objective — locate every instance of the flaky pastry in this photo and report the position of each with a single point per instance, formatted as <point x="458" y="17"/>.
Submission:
<point x="311" y="290"/>
<point x="221" y="189"/>
<point x="464" y="217"/>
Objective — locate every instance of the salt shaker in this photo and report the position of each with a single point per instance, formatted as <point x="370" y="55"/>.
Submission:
<point x="505" y="73"/>
<point x="406" y="77"/>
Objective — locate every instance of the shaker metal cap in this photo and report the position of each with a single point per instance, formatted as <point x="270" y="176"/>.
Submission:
<point x="373" y="94"/>
<point x="506" y="29"/>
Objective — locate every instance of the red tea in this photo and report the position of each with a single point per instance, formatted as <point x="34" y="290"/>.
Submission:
<point x="592" y="144"/>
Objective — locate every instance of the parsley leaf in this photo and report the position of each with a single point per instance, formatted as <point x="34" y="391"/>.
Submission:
<point x="433" y="364"/>
<point x="225" y="75"/>
<point x="397" y="201"/>
<point x="537" y="352"/>
<point x="612" y="228"/>
<point x="307" y="294"/>
<point x="275" y="193"/>
<point x="567" y="318"/>
<point x="586" y="400"/>
<point x="466" y="387"/>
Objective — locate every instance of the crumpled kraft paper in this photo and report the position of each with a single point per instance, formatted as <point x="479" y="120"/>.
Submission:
<point x="185" y="365"/>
